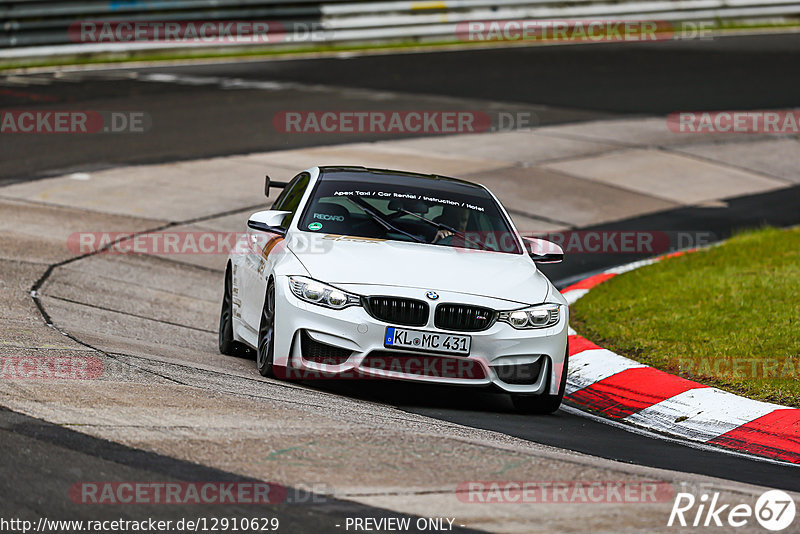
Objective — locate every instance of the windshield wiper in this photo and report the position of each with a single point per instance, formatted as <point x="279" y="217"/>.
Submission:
<point x="442" y="226"/>
<point x="380" y="220"/>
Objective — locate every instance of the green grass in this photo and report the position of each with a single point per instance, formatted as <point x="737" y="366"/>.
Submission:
<point x="727" y="316"/>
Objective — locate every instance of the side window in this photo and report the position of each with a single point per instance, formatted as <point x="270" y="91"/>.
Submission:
<point x="289" y="200"/>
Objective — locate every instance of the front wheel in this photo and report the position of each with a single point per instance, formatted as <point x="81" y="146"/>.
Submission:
<point x="265" y="353"/>
<point x="543" y="404"/>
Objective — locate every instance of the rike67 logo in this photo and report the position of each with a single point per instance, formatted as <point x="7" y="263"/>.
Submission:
<point x="774" y="510"/>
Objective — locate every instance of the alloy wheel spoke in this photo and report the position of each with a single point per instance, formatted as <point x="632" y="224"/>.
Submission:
<point x="267" y="328"/>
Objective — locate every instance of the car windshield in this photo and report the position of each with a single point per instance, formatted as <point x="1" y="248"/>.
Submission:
<point x="408" y="208"/>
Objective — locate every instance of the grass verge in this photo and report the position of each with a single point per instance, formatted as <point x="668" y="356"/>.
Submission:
<point x="728" y="316"/>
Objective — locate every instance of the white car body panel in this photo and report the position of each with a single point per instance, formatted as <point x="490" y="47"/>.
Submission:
<point x="370" y="267"/>
<point x="341" y="260"/>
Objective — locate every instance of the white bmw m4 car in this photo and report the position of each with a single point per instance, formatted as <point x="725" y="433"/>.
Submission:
<point x="367" y="273"/>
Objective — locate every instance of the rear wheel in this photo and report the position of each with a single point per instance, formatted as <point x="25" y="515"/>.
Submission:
<point x="266" y="333"/>
<point x="543" y="404"/>
<point x="227" y="344"/>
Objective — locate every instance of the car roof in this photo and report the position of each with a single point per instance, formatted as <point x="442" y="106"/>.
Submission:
<point x="381" y="175"/>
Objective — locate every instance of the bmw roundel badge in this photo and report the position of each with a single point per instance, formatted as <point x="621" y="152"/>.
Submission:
<point x="433" y="295"/>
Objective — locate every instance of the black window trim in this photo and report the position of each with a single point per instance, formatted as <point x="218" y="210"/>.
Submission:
<point x="288" y="193"/>
<point x="288" y="190"/>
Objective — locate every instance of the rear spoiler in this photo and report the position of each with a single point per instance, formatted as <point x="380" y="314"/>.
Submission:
<point x="270" y="183"/>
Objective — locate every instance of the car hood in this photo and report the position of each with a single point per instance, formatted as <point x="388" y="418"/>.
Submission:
<point x="362" y="261"/>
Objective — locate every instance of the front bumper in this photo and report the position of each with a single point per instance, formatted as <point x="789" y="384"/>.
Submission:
<point x="356" y="332"/>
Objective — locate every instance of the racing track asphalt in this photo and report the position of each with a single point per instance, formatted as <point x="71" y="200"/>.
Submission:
<point x="35" y="451"/>
<point x="201" y="120"/>
<point x="203" y="114"/>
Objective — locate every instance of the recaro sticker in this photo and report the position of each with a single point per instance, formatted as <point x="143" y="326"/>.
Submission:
<point x="326" y="217"/>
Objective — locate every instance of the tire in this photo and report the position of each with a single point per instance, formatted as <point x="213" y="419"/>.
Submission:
<point x="228" y="345"/>
<point x="265" y="352"/>
<point x="543" y="404"/>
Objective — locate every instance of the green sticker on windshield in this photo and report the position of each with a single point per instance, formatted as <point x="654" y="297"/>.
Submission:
<point x="315" y="226"/>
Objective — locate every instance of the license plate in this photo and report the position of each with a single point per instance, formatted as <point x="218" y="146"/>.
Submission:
<point x="401" y="338"/>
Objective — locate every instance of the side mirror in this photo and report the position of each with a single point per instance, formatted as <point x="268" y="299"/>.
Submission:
<point x="543" y="251"/>
<point x="268" y="221"/>
<point x="272" y="183"/>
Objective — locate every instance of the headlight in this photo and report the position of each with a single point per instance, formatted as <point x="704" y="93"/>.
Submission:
<point x="322" y="294"/>
<point x="540" y="316"/>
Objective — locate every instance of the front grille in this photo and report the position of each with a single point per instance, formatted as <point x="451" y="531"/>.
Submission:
<point x="424" y="365"/>
<point x="314" y="351"/>
<point x="398" y="310"/>
<point x="462" y="317"/>
<point x="527" y="373"/>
